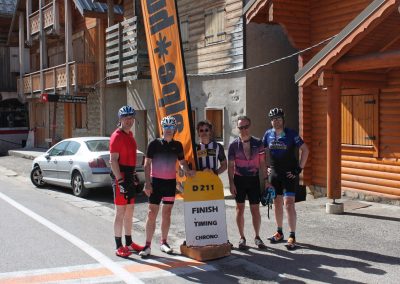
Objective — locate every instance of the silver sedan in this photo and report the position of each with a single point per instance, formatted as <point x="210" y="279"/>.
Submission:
<point x="79" y="163"/>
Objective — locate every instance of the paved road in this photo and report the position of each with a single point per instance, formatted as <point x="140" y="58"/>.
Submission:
<point x="360" y="246"/>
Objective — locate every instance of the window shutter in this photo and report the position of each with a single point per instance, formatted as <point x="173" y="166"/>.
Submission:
<point x="363" y="114"/>
<point x="347" y="120"/>
<point x="209" y="28"/>
<point x="220" y="19"/>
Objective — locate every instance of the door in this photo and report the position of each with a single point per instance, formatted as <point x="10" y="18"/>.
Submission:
<point x="50" y="165"/>
<point x="66" y="161"/>
<point x="40" y="125"/>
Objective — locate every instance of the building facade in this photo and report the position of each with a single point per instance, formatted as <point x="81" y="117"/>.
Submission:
<point x="348" y="90"/>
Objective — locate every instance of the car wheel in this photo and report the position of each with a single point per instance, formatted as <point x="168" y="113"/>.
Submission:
<point x="78" y="187"/>
<point x="36" y="177"/>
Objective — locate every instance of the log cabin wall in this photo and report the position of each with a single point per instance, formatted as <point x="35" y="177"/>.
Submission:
<point x="201" y="57"/>
<point x="379" y="174"/>
<point x="327" y="18"/>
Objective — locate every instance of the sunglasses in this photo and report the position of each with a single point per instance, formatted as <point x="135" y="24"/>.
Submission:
<point x="204" y="130"/>
<point x="169" y="127"/>
<point x="244" y="127"/>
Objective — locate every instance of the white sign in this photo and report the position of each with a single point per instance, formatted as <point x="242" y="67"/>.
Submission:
<point x="205" y="218"/>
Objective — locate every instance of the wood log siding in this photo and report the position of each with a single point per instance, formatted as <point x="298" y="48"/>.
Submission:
<point x="224" y="55"/>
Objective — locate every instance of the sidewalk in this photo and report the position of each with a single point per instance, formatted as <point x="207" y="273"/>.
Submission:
<point x="27" y="153"/>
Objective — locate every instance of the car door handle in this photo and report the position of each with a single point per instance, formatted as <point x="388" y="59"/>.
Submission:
<point x="70" y="161"/>
<point x="55" y="162"/>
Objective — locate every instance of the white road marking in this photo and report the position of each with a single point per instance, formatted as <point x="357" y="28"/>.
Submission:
<point x="97" y="255"/>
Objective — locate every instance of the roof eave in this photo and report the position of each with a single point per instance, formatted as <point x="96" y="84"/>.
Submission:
<point x="309" y="72"/>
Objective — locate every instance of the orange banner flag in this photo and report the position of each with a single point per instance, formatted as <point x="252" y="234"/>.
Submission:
<point x="168" y="74"/>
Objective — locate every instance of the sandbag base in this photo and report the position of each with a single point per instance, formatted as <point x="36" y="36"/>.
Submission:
<point x="206" y="252"/>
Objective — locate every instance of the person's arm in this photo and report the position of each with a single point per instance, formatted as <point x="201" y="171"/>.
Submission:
<point x="304" y="152"/>
<point x="231" y="172"/>
<point x="114" y="157"/>
<point x="223" y="166"/>
<point x="148" y="188"/>
<point x="185" y="167"/>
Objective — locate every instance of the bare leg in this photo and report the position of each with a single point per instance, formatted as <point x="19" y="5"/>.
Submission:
<point x="291" y="212"/>
<point x="128" y="216"/>
<point x="151" y="221"/>
<point x="240" y="218"/>
<point x="166" y="220"/>
<point x="255" y="213"/>
<point x="278" y="207"/>
<point x="119" y="219"/>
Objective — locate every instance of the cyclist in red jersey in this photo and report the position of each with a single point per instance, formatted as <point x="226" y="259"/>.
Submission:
<point x="124" y="180"/>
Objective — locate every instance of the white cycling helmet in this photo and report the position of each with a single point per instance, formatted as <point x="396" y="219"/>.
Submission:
<point x="126" y="111"/>
<point x="168" y="121"/>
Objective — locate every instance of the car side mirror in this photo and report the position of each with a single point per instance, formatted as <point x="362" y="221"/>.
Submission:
<point x="47" y="157"/>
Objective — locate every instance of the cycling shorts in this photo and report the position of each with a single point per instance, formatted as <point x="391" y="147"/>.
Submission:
<point x="119" y="198"/>
<point x="282" y="184"/>
<point x="163" y="189"/>
<point x="247" y="186"/>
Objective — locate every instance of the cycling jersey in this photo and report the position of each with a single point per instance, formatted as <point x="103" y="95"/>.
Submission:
<point x="209" y="154"/>
<point x="164" y="156"/>
<point x="125" y="145"/>
<point x="282" y="149"/>
<point x="244" y="166"/>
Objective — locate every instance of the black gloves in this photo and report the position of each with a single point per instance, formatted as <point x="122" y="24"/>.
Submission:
<point x="296" y="171"/>
<point x="121" y="186"/>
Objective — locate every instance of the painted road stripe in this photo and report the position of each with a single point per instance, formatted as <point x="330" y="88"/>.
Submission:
<point x="97" y="255"/>
<point x="151" y="268"/>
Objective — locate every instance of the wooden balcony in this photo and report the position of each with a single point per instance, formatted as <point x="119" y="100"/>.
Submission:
<point x="53" y="15"/>
<point x="126" y="52"/>
<point x="55" y="78"/>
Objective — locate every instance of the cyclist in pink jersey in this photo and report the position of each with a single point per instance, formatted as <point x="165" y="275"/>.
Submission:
<point x="160" y="182"/>
<point x="245" y="159"/>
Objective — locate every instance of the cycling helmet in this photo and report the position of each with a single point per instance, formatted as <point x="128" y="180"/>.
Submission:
<point x="126" y="111"/>
<point x="168" y="121"/>
<point x="276" y="112"/>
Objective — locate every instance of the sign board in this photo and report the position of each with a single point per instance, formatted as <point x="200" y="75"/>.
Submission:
<point x="168" y="76"/>
<point x="205" y="218"/>
<point x="63" y="99"/>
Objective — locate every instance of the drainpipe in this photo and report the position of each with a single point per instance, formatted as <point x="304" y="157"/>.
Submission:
<point x="28" y="22"/>
<point x="21" y="57"/>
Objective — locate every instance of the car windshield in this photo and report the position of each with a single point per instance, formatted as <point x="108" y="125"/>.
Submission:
<point x="98" y="145"/>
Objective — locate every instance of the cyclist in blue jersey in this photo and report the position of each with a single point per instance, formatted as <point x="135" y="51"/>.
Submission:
<point x="280" y="145"/>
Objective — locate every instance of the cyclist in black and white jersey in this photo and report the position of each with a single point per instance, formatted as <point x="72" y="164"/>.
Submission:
<point x="210" y="153"/>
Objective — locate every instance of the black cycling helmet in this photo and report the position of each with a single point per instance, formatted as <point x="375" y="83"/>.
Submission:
<point x="126" y="111"/>
<point x="276" y="112"/>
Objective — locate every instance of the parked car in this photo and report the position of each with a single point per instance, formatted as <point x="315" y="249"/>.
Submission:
<point x="79" y="163"/>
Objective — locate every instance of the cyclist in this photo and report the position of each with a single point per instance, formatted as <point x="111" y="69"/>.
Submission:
<point x="245" y="159"/>
<point x="160" y="184"/>
<point x="209" y="151"/>
<point x="123" y="160"/>
<point x="284" y="169"/>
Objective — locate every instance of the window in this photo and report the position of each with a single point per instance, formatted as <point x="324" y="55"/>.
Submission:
<point x="58" y="150"/>
<point x="72" y="148"/>
<point x="214" y="25"/>
<point x="184" y="26"/>
<point x="360" y="120"/>
<point x="216" y="117"/>
<point x="80" y="115"/>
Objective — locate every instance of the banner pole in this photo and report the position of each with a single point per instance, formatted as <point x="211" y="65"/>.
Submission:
<point x="189" y="105"/>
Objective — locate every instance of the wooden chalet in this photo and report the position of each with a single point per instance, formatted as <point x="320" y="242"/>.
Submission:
<point x="349" y="90"/>
<point x="66" y="56"/>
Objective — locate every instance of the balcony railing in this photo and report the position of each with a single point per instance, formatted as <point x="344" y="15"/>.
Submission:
<point x="125" y="58"/>
<point x="55" y="78"/>
<point x="50" y="20"/>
